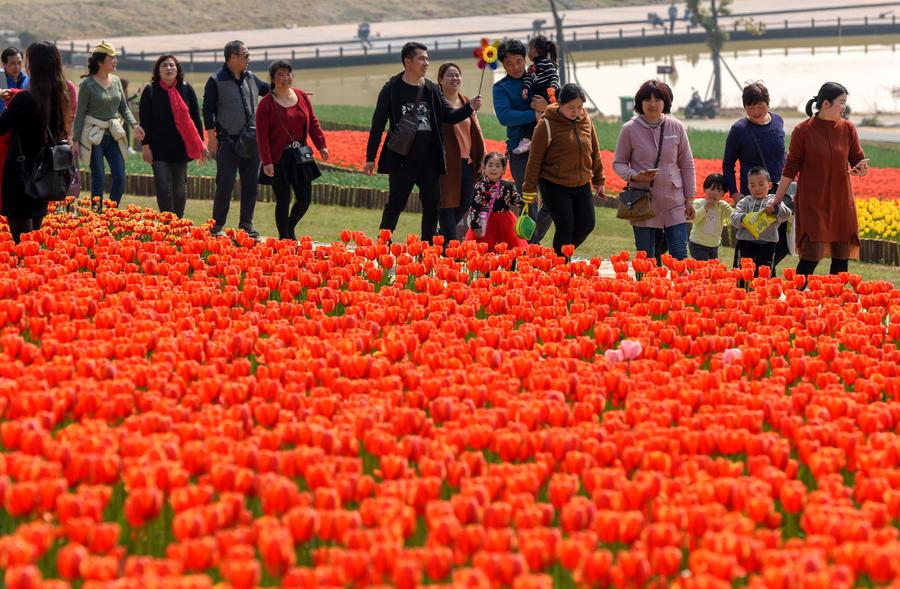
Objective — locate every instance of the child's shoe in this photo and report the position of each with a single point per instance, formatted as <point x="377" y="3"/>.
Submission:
<point x="524" y="146"/>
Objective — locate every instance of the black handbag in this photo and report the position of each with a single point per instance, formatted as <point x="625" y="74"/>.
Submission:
<point x="404" y="132"/>
<point x="636" y="204"/>
<point x="53" y="170"/>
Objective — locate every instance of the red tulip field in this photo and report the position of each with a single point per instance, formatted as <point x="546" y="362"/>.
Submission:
<point x="184" y="411"/>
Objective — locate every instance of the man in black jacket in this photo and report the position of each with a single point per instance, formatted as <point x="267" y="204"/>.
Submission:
<point x="425" y="162"/>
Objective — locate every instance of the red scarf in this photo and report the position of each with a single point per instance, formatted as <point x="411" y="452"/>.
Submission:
<point x="193" y="144"/>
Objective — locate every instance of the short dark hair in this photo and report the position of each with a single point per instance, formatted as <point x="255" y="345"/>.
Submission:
<point x="759" y="171"/>
<point x="9" y="52"/>
<point x="494" y="155"/>
<point x="233" y="48"/>
<point x="281" y="64"/>
<point x="570" y="92"/>
<point x="653" y="89"/>
<point x="510" y="47"/>
<point x="179" y="76"/>
<point x="715" y="181"/>
<point x="409" y="50"/>
<point x="754" y="93"/>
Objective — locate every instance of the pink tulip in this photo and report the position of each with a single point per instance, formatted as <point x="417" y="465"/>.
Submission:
<point x="630" y="348"/>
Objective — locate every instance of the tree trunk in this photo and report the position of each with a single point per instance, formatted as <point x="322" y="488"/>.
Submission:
<point x="560" y="43"/>
<point x="717" y="65"/>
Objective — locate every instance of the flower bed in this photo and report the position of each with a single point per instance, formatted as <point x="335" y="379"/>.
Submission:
<point x="179" y="410"/>
<point x="348" y="148"/>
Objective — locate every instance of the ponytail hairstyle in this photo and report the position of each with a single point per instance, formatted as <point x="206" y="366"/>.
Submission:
<point x="47" y="85"/>
<point x="94" y="62"/>
<point x="829" y="91"/>
<point x="544" y="47"/>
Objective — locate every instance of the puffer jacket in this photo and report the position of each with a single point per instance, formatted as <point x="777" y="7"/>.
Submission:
<point x="564" y="152"/>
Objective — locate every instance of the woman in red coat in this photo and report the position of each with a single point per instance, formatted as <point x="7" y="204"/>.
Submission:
<point x="284" y="120"/>
<point x="825" y="151"/>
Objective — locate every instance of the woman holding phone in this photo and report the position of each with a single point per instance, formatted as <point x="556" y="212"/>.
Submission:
<point x="653" y="151"/>
<point x="825" y="151"/>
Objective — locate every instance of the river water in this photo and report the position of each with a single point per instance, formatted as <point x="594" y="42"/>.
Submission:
<point x="870" y="71"/>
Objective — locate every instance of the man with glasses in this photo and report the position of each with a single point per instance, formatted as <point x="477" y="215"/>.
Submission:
<point x="229" y="116"/>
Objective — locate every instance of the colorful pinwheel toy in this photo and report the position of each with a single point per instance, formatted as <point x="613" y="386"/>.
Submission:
<point x="487" y="57"/>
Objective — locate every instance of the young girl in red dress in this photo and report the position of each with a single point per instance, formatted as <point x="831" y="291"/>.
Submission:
<point x="492" y="217"/>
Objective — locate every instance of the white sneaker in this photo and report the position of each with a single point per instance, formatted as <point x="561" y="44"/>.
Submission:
<point x="524" y="146"/>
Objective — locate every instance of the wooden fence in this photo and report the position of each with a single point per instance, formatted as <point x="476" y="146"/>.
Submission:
<point x="874" y="251"/>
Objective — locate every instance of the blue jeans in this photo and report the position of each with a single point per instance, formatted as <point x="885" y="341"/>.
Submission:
<point x="108" y="148"/>
<point x="656" y="241"/>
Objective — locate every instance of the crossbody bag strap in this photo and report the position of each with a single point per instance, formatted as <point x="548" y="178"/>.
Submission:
<point x="762" y="158"/>
<point x="658" y="149"/>
<point x="281" y="119"/>
<point x="658" y="156"/>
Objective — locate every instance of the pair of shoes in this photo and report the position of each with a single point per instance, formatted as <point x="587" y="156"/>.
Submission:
<point x="217" y="232"/>
<point x="250" y="231"/>
<point x="524" y="146"/>
<point x="131" y="151"/>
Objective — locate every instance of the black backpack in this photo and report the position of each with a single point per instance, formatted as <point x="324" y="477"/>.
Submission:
<point x="53" y="170"/>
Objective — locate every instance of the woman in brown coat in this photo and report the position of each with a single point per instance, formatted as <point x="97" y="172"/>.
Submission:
<point x="464" y="148"/>
<point x="825" y="151"/>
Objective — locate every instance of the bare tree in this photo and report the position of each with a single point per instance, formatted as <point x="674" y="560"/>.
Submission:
<point x="706" y="13"/>
<point x="560" y="42"/>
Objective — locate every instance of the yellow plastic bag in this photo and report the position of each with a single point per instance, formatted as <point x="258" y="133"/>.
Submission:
<point x="757" y="222"/>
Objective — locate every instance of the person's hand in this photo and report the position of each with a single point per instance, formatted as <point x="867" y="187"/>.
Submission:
<point x="600" y="190"/>
<point x="476" y="103"/>
<point x="138" y="132"/>
<point x="204" y="154"/>
<point x="147" y="154"/>
<point x="212" y="144"/>
<point x="539" y="103"/>
<point x="643" y="176"/>
<point x="528" y="197"/>
<point x="75" y="149"/>
<point x="860" y="169"/>
<point x="323" y="153"/>
<point x="524" y="94"/>
<point x="269" y="170"/>
<point x="771" y="209"/>
<point x="369" y="168"/>
<point x="736" y="196"/>
<point x="6" y="94"/>
<point x="689" y="211"/>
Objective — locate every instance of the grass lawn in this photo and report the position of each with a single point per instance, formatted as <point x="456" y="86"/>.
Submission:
<point x="324" y="223"/>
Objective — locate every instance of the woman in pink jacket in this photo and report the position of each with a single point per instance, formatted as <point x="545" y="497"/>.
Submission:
<point x="673" y="181"/>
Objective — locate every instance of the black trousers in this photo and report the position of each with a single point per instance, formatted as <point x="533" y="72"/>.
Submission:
<point x="228" y="165"/>
<point x="450" y="218"/>
<point x="19" y="226"/>
<point x="171" y="186"/>
<point x="572" y="210"/>
<point x="427" y="176"/>
<point x="287" y="216"/>
<point x="761" y="252"/>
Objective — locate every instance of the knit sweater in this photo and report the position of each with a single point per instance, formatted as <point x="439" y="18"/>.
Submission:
<point x="741" y="147"/>
<point x="101" y="103"/>
<point x="277" y="126"/>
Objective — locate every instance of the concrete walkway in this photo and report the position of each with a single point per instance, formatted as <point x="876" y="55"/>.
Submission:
<point x="486" y="25"/>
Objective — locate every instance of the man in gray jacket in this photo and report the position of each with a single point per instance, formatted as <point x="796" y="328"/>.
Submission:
<point x="229" y="116"/>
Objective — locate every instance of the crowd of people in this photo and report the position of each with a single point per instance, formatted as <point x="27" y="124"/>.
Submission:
<point x="264" y="131"/>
